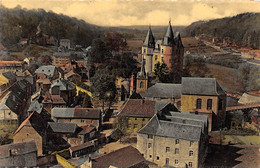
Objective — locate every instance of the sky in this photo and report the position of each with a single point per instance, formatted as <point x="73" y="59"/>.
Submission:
<point x="141" y="12"/>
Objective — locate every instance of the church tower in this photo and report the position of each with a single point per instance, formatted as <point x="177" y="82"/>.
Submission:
<point x="147" y="51"/>
<point x="172" y="50"/>
<point x="142" y="80"/>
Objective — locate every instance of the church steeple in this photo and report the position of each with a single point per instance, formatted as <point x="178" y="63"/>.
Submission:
<point x="169" y="37"/>
<point x="149" y="40"/>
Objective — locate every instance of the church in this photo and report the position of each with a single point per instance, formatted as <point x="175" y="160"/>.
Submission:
<point x="169" y="50"/>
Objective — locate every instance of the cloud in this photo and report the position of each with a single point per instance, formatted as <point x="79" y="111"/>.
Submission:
<point x="134" y="12"/>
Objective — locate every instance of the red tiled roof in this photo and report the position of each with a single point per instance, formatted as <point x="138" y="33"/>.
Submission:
<point x="44" y="81"/>
<point x="91" y="113"/>
<point x="124" y="157"/>
<point x="138" y="108"/>
<point x="86" y="129"/>
<point x="81" y="146"/>
<point x="11" y="63"/>
<point x="56" y="99"/>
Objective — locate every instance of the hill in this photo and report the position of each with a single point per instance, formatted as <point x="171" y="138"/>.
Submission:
<point x="243" y="29"/>
<point x="21" y="23"/>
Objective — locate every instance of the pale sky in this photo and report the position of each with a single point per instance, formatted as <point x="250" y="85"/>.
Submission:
<point x="141" y="12"/>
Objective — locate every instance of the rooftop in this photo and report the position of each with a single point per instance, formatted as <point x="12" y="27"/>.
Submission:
<point x="87" y="113"/>
<point x="46" y="69"/>
<point x="62" y="127"/>
<point x="164" y="90"/>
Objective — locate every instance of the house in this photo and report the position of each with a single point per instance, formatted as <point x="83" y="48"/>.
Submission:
<point x="73" y="77"/>
<point x="127" y="157"/>
<point x="82" y="149"/>
<point x="43" y="84"/>
<point x="165" y="91"/>
<point x="63" y="130"/>
<point x="79" y="116"/>
<point x="7" y="79"/>
<point x="27" y="75"/>
<point x="49" y="70"/>
<point x="204" y="96"/>
<point x="32" y="128"/>
<point x="52" y="101"/>
<point x="88" y="133"/>
<point x="18" y="155"/>
<point x="13" y="66"/>
<point x="137" y="112"/>
<point x="65" y="89"/>
<point x="65" y="43"/>
<point x="178" y="141"/>
<point x="26" y="86"/>
<point x="61" y="58"/>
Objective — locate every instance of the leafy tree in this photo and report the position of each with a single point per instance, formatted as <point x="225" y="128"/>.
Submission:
<point x="120" y="128"/>
<point x="115" y="42"/>
<point x="195" y="67"/>
<point x="103" y="87"/>
<point x="161" y="72"/>
<point x="99" y="53"/>
<point x="86" y="102"/>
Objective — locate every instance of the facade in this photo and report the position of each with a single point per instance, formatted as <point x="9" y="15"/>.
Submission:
<point x="13" y="66"/>
<point x="61" y="58"/>
<point x="204" y="96"/>
<point x="32" y="128"/>
<point x="82" y="149"/>
<point x="177" y="141"/>
<point x="169" y="50"/>
<point x="18" y="155"/>
<point x="65" y="43"/>
<point x="79" y="116"/>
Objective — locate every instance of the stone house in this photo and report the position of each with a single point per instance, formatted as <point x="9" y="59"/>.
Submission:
<point x="61" y="58"/>
<point x="79" y="116"/>
<point x="32" y="128"/>
<point x="65" y="89"/>
<point x="137" y="112"/>
<point x="127" y="157"/>
<point x="43" y="84"/>
<point x="88" y="133"/>
<point x="204" y="96"/>
<point x="178" y="141"/>
<point x="49" y="70"/>
<point x="12" y="66"/>
<point x="18" y="155"/>
<point x="52" y="101"/>
<point x="73" y="77"/>
<point x="27" y="75"/>
<point x="63" y="130"/>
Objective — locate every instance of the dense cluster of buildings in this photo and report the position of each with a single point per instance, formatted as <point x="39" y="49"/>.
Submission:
<point x="170" y="122"/>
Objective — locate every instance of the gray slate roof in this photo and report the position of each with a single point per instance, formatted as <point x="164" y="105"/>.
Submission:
<point x="172" y="129"/>
<point x="62" y="127"/>
<point x="46" y="69"/>
<point x="62" y="54"/>
<point x="9" y="75"/>
<point x="35" y="106"/>
<point x="149" y="40"/>
<point x="87" y="113"/>
<point x="19" y="149"/>
<point x="169" y="36"/>
<point x="201" y="86"/>
<point x="64" y="85"/>
<point x="164" y="90"/>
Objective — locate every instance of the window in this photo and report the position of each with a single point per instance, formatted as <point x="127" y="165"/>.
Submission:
<point x="129" y="125"/>
<point x="135" y="118"/>
<point x="176" y="161"/>
<point x="155" y="57"/>
<point x="82" y="121"/>
<point x="143" y="119"/>
<point x="177" y="141"/>
<point x="176" y="150"/>
<point x="141" y="84"/>
<point x="167" y="161"/>
<point x="198" y="104"/>
<point x="190" y="164"/>
<point x="167" y="149"/>
<point x="190" y="153"/>
<point x="220" y="104"/>
<point x="27" y="134"/>
<point x="149" y="145"/>
<point x="162" y="50"/>
<point x="144" y="50"/>
<point x="150" y="156"/>
<point x="150" y="136"/>
<point x="135" y="126"/>
<point x="158" y="158"/>
<point x="191" y="142"/>
<point x="209" y="104"/>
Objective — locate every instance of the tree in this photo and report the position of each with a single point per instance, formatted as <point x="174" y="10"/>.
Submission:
<point x="115" y="42"/>
<point x="195" y="67"/>
<point x="161" y="72"/>
<point x="103" y="86"/>
<point x="99" y="53"/>
<point x="120" y="128"/>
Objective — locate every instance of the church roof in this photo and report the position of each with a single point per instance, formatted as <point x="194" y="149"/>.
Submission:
<point x="149" y="40"/>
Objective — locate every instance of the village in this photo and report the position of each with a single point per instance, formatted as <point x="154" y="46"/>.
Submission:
<point x="103" y="106"/>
